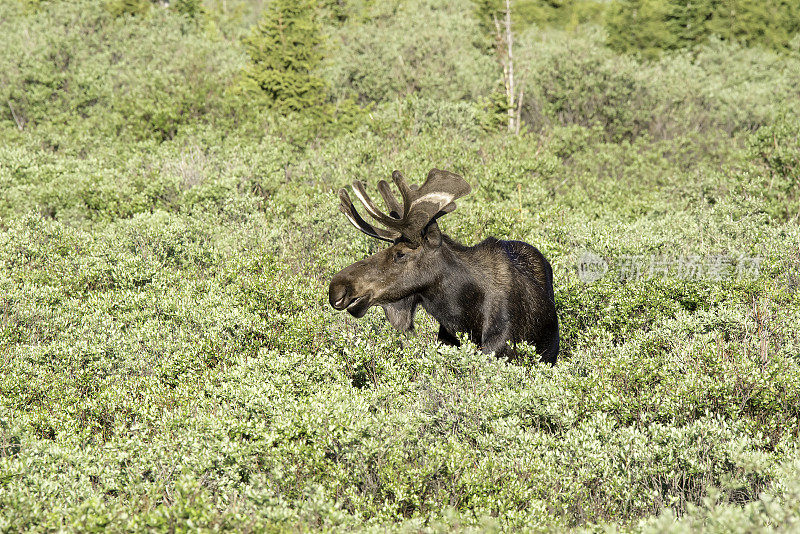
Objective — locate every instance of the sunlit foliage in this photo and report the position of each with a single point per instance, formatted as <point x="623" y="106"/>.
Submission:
<point x="168" y="359"/>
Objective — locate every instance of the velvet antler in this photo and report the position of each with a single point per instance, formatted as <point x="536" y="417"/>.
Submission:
<point x="421" y="205"/>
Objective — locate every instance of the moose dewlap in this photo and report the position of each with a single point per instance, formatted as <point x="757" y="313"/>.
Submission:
<point x="497" y="292"/>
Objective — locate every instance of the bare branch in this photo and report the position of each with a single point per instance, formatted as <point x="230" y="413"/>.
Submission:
<point x="505" y="55"/>
<point x="510" y="82"/>
<point x="20" y="124"/>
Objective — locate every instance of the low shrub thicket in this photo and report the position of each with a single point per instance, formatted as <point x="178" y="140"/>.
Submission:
<point x="73" y="67"/>
<point x="185" y="355"/>
<point x="414" y="46"/>
<point x="719" y="87"/>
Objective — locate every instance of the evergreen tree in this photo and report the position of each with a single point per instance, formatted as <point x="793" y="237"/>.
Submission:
<point x="770" y="23"/>
<point x="284" y="54"/>
<point x="645" y="26"/>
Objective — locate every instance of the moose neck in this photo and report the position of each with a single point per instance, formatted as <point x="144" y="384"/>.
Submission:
<point x="455" y="297"/>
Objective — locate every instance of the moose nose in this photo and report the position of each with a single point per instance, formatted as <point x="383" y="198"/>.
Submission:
<point x="337" y="295"/>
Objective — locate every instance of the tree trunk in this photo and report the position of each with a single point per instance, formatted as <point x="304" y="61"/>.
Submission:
<point x="510" y="81"/>
<point x="505" y="53"/>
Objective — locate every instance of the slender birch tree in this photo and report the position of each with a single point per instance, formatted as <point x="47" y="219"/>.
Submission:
<point x="505" y="53"/>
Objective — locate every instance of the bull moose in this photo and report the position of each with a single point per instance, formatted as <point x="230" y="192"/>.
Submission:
<point x="497" y="292"/>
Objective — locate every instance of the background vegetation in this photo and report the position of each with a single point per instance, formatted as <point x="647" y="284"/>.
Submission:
<point x="168" y="229"/>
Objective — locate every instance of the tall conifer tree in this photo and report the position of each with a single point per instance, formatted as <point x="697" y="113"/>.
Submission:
<point x="284" y="54"/>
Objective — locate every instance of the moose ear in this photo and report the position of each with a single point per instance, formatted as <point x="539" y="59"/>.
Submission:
<point x="432" y="235"/>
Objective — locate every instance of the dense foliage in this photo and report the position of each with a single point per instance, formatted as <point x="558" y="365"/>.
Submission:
<point x="168" y="359"/>
<point x="652" y="26"/>
<point x="284" y="56"/>
<point x="564" y="14"/>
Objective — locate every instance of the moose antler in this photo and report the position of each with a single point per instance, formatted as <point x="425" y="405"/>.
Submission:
<point x="421" y="204"/>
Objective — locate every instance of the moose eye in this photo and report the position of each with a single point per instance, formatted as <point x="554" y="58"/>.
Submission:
<point x="398" y="256"/>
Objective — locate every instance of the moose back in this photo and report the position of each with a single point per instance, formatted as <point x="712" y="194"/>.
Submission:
<point x="497" y="292"/>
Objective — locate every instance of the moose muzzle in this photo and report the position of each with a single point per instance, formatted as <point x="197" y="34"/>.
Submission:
<point x="341" y="295"/>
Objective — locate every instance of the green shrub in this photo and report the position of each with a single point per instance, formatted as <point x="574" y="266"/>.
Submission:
<point x="542" y="13"/>
<point x="775" y="149"/>
<point x="72" y="66"/>
<point x="425" y="47"/>
<point x="720" y="87"/>
<point x="650" y="27"/>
